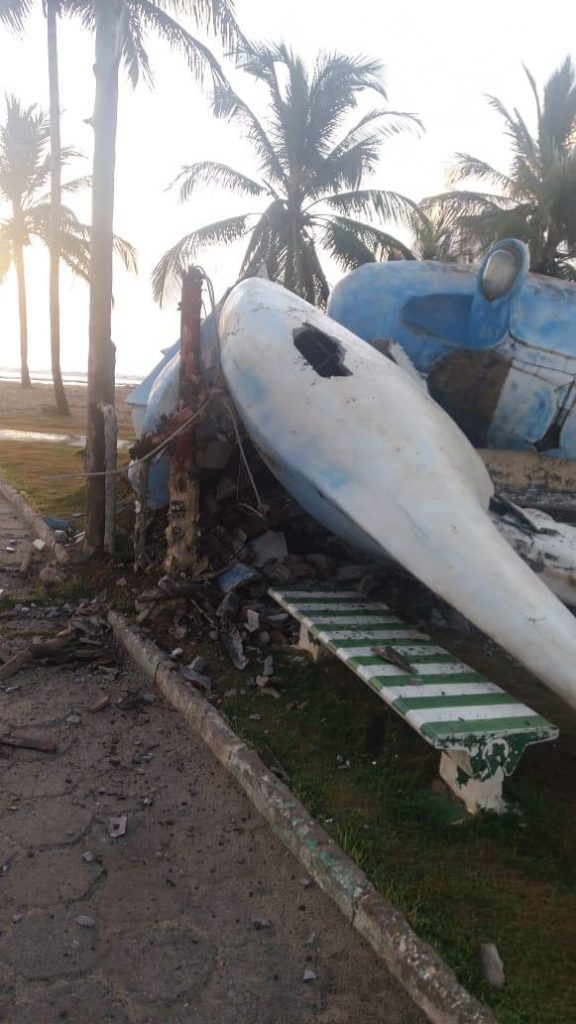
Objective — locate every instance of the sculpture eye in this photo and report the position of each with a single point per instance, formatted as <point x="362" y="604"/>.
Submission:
<point x="500" y="273"/>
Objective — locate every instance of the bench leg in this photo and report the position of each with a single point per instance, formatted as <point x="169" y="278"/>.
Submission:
<point x="307" y="643"/>
<point x="476" y="794"/>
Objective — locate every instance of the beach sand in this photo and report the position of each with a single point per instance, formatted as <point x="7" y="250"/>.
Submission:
<point x="33" y="409"/>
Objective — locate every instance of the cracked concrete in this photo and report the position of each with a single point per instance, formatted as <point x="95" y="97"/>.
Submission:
<point x="172" y="904"/>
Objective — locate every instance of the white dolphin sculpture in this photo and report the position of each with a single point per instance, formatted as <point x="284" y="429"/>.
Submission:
<point x="370" y="455"/>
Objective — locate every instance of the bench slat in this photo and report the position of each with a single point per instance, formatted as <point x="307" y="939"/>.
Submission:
<point x="452" y="706"/>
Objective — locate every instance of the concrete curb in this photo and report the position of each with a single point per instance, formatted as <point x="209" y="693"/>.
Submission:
<point x="430" y="983"/>
<point x="30" y="517"/>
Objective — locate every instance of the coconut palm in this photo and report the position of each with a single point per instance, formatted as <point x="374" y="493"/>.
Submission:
<point x="13" y="14"/>
<point x="536" y="199"/>
<point x="310" y="189"/>
<point x="24" y="175"/>
<point x="121" y="27"/>
<point x="436" y="237"/>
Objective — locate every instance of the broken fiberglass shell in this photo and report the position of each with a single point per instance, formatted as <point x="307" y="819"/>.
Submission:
<point x="497" y="343"/>
<point x="371" y="456"/>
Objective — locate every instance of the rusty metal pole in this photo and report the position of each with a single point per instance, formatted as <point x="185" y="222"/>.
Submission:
<point x="182" y="531"/>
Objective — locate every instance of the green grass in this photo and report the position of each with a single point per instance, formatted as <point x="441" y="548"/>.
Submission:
<point x="460" y="881"/>
<point x="48" y="475"/>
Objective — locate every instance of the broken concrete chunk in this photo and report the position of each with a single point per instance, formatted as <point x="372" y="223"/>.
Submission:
<point x="270" y="546"/>
<point x="38" y="544"/>
<point x="309" y="975"/>
<point x="201" y="682"/>
<point x="252" y="620"/>
<point x="85" y="921"/>
<point x="117" y="825"/>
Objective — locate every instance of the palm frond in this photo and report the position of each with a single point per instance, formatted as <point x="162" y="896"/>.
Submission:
<point x="168" y="270"/>
<point x="379" y="243"/>
<point x="466" y="166"/>
<point x="227" y="105"/>
<point x="146" y="15"/>
<point x="14" y="13"/>
<point x="208" y="172"/>
<point x="374" y="202"/>
<point x="127" y="253"/>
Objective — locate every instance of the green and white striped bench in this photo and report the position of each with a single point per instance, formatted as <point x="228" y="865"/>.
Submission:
<point x="481" y="730"/>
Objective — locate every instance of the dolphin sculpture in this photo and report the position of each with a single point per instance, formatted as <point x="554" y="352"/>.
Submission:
<point x="373" y="457"/>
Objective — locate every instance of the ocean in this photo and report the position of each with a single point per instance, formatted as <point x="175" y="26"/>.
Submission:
<point x="68" y="377"/>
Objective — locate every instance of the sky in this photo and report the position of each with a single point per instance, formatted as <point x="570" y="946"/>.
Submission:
<point x="441" y="60"/>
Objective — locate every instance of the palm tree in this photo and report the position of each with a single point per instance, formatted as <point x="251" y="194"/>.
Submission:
<point x="24" y="174"/>
<point x="311" y="171"/>
<point x="536" y="199"/>
<point x="121" y="27"/>
<point x="436" y="237"/>
<point x="13" y="13"/>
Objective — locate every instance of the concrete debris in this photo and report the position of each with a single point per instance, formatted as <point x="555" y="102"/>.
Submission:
<point x="261" y="922"/>
<point x="309" y="975"/>
<point x="270" y="546"/>
<point x="74" y="719"/>
<point x="117" y="825"/>
<point x="252" y="620"/>
<point x="38" y="544"/>
<point x="85" y="921"/>
<point x="200" y="681"/>
<point x="176" y="653"/>
<point x="88" y="857"/>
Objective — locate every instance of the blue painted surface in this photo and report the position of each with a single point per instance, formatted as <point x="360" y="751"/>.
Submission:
<point x="437" y="310"/>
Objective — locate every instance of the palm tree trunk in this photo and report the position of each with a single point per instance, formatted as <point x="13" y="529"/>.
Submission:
<point x="101" y="392"/>
<point x="23" y="314"/>
<point x="55" y="204"/>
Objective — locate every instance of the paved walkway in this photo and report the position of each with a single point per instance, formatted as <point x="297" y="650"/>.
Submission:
<point x="197" y="915"/>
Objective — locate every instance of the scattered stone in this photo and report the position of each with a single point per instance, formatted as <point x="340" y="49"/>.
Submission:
<point x="16" y="918"/>
<point x="264" y="637"/>
<point x="199" y="664"/>
<point x="88" y="856"/>
<point x="74" y="719"/>
<point x="311" y="939"/>
<point x="201" y="682"/>
<point x="177" y="653"/>
<point x="309" y="975"/>
<point x="179" y="632"/>
<point x="261" y="922"/>
<point x="492" y="966"/>
<point x="252" y="620"/>
<point x="117" y="825"/>
<point x="85" y="922"/>
<point x="255" y="718"/>
<point x="306" y="882"/>
<point x="268" y="669"/>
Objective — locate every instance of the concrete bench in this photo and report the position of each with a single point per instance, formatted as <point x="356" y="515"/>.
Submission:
<point x="480" y="729"/>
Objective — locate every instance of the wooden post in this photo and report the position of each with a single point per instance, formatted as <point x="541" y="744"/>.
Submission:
<point x="182" y="531"/>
